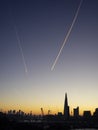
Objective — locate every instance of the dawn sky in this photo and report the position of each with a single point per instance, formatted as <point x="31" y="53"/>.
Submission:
<point x="31" y="35"/>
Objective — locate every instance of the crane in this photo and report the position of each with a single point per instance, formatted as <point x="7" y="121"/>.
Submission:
<point x="49" y="112"/>
<point x="42" y="111"/>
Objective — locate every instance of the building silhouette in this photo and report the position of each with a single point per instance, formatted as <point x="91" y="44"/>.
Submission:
<point x="66" y="107"/>
<point x="87" y="114"/>
<point x="76" y="112"/>
<point x="96" y="113"/>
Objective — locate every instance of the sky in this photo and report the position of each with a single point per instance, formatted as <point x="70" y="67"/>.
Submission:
<point x="31" y="35"/>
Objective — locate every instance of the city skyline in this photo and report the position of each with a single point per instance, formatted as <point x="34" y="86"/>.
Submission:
<point x="31" y="35"/>
<point x="67" y="113"/>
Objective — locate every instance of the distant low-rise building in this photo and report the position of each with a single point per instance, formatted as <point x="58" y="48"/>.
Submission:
<point x="87" y="114"/>
<point x="60" y="114"/>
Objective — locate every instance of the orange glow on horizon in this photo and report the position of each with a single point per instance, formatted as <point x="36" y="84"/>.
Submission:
<point x="37" y="110"/>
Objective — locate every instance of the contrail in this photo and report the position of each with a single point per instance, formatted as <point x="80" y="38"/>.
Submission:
<point x="21" y="50"/>
<point x="67" y="36"/>
<point x="18" y="40"/>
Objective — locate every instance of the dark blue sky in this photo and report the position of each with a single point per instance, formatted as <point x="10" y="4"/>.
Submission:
<point x="40" y="27"/>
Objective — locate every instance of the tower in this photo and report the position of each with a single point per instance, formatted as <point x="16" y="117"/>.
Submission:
<point x="66" y="107"/>
<point x="76" y="112"/>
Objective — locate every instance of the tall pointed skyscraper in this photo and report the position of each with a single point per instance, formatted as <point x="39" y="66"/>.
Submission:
<point x="66" y="107"/>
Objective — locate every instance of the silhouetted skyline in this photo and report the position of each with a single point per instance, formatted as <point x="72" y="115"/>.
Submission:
<point x="67" y="113"/>
<point x="18" y="119"/>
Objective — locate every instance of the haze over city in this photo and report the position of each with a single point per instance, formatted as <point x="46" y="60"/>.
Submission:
<point x="31" y="35"/>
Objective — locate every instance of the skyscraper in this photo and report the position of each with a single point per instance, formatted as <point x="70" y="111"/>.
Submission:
<point x="76" y="112"/>
<point x="66" y="107"/>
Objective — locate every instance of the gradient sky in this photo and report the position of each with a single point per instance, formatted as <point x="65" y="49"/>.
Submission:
<point x="41" y="26"/>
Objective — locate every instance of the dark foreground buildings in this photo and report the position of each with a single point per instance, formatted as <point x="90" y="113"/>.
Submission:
<point x="20" y="121"/>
